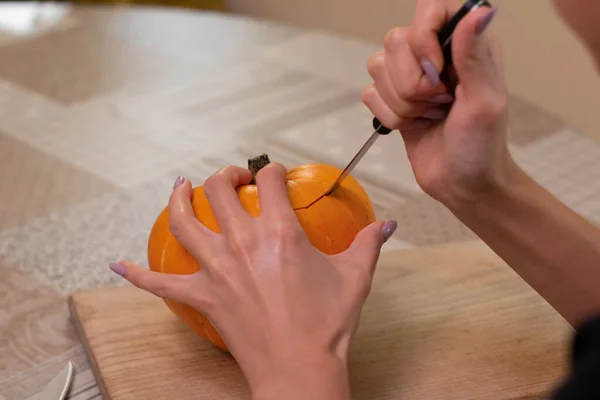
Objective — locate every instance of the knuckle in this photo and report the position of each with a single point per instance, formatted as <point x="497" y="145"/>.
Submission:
<point x="228" y="169"/>
<point x="491" y="108"/>
<point x="370" y="97"/>
<point x="230" y="175"/>
<point x="418" y="34"/>
<point x="498" y="106"/>
<point x="375" y="63"/>
<point x="220" y="262"/>
<point x="229" y="172"/>
<point x="394" y="37"/>
<point x="408" y="88"/>
<point x="178" y="224"/>
<point x="359" y="281"/>
<point x="390" y="121"/>
<point x="220" y="275"/>
<point x="272" y="171"/>
<point x="242" y="240"/>
<point x="288" y="235"/>
<point x="161" y="289"/>
<point x="213" y="182"/>
<point x="368" y="94"/>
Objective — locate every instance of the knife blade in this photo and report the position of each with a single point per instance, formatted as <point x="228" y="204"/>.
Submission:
<point x="445" y="41"/>
<point x="58" y="387"/>
<point x="379" y="130"/>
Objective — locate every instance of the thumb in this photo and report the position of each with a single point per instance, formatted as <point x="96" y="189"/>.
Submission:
<point x="367" y="244"/>
<point x="473" y="56"/>
<point x="187" y="289"/>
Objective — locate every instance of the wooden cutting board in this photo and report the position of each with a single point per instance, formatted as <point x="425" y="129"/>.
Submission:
<point x="448" y="322"/>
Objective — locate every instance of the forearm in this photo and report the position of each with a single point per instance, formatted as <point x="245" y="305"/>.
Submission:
<point x="550" y="246"/>
<point x="320" y="378"/>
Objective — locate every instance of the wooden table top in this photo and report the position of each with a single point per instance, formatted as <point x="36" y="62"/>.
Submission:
<point x="101" y="108"/>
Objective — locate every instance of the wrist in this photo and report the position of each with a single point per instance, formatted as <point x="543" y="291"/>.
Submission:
<point x="504" y="187"/>
<point x="318" y="376"/>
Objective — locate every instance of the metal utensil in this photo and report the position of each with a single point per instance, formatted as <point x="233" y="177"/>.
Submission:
<point x="58" y="387"/>
<point x="445" y="40"/>
<point x="379" y="130"/>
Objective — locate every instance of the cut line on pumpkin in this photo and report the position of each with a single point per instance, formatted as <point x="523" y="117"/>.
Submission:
<point x="310" y="204"/>
<point x="257" y="163"/>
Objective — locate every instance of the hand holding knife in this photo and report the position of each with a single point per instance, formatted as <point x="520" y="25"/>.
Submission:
<point x="445" y="40"/>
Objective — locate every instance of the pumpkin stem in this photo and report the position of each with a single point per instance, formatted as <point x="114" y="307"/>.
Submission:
<point x="257" y="163"/>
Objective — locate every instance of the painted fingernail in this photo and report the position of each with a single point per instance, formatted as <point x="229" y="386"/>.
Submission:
<point x="118" y="269"/>
<point x="180" y="179"/>
<point x="431" y="72"/>
<point x="388" y="229"/>
<point x="421" y="123"/>
<point x="435" y="113"/>
<point x="442" y="98"/>
<point x="485" y="21"/>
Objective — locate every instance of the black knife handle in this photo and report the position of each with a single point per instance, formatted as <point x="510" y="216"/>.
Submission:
<point x="445" y="40"/>
<point x="445" y="34"/>
<point x="378" y="126"/>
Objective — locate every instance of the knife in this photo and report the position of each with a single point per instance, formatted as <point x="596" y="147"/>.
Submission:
<point x="445" y="40"/>
<point x="58" y="387"/>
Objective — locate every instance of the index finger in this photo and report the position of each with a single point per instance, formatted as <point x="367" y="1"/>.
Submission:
<point x="183" y="224"/>
<point x="430" y="17"/>
<point x="273" y="194"/>
<point x="220" y="190"/>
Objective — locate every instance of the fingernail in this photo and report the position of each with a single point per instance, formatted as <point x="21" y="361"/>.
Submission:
<point x="442" y="98"/>
<point x="180" y="179"/>
<point x="435" y="113"/>
<point x="388" y="229"/>
<point x="421" y="123"/>
<point x="118" y="269"/>
<point x="485" y="21"/>
<point x="431" y="72"/>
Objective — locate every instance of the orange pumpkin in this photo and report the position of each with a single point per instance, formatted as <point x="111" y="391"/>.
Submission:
<point x="330" y="222"/>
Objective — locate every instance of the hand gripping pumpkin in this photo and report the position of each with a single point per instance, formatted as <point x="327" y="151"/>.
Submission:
<point x="331" y="224"/>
